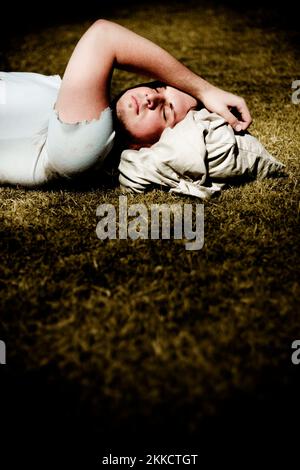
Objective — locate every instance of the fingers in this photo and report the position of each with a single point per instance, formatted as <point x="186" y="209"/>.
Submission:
<point x="222" y="102"/>
<point x="239" y="121"/>
<point x="246" y="118"/>
<point x="232" y="120"/>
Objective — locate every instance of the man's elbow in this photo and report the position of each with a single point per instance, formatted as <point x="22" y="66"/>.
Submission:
<point x="102" y="23"/>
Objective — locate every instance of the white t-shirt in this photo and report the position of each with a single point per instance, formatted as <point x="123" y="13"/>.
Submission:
<point x="35" y="146"/>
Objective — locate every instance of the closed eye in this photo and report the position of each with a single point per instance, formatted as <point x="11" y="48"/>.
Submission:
<point x="164" y="114"/>
<point x="169" y="114"/>
<point x="163" y="107"/>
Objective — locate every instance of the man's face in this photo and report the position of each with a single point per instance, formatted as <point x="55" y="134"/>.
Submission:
<point x="146" y="112"/>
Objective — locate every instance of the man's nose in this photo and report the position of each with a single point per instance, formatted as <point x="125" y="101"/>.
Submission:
<point x="153" y="99"/>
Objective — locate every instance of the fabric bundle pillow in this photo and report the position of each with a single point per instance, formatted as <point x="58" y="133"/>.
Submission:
<point x="196" y="157"/>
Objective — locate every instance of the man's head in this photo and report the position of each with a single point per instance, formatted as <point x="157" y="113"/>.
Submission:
<point x="143" y="112"/>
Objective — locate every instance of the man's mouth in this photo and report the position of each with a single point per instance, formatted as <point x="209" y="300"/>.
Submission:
<point x="136" y="104"/>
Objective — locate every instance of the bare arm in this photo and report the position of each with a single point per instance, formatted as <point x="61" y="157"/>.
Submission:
<point x="86" y="83"/>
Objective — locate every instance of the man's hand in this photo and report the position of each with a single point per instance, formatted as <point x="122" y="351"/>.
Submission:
<point x="222" y="102"/>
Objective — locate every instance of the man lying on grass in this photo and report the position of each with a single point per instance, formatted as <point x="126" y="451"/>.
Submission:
<point x="197" y="156"/>
<point x="52" y="128"/>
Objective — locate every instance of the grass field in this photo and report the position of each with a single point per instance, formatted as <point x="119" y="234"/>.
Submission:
<point x="141" y="338"/>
